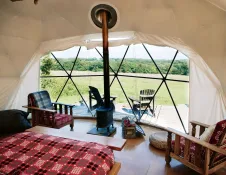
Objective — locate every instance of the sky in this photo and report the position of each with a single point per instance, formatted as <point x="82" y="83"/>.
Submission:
<point x="135" y="51"/>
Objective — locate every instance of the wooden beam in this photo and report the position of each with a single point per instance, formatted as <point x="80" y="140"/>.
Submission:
<point x="40" y="109"/>
<point x="187" y="150"/>
<point x="221" y="165"/>
<point x="200" y="124"/>
<point x="177" y="145"/>
<point x="168" y="149"/>
<point x="207" y="161"/>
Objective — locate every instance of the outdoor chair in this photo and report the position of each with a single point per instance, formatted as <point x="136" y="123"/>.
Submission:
<point x="145" y="98"/>
<point x="205" y="155"/>
<point x="95" y="94"/>
<point x="45" y="113"/>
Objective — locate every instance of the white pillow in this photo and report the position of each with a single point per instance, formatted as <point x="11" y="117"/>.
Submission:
<point x="207" y="133"/>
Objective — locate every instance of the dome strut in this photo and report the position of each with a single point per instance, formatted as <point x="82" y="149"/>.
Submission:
<point x="35" y="1"/>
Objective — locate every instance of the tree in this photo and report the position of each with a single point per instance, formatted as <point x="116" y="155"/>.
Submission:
<point x="46" y="65"/>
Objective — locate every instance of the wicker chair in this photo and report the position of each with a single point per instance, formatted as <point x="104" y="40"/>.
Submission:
<point x="44" y="112"/>
<point x="201" y="156"/>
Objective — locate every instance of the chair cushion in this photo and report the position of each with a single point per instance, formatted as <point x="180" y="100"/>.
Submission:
<point x="61" y="119"/>
<point x="220" y="126"/>
<point x="40" y="99"/>
<point x="207" y="133"/>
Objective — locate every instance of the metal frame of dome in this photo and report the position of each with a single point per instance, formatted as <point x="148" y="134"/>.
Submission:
<point x="116" y="75"/>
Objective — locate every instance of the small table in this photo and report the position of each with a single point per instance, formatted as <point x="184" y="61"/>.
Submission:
<point x="128" y="132"/>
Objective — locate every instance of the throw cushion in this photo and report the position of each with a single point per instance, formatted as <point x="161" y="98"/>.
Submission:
<point x="13" y="121"/>
<point x="207" y="133"/>
<point x="40" y="99"/>
<point x="220" y="126"/>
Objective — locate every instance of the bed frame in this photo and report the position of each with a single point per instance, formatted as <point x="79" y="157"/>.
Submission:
<point x="115" y="169"/>
<point x="113" y="143"/>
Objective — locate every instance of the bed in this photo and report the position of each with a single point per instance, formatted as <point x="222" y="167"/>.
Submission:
<point x="38" y="153"/>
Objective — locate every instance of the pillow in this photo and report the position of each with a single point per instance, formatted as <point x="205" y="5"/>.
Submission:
<point x="13" y="121"/>
<point x="206" y="135"/>
<point x="217" y="133"/>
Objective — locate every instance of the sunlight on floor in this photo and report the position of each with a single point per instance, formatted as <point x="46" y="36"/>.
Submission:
<point x="165" y="116"/>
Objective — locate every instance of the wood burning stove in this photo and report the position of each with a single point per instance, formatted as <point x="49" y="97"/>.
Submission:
<point x="104" y="117"/>
<point x="105" y="17"/>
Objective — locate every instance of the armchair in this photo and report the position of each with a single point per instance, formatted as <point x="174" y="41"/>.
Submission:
<point x="201" y="156"/>
<point x="44" y="112"/>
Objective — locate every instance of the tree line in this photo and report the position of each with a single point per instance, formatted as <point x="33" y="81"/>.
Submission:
<point x="129" y="65"/>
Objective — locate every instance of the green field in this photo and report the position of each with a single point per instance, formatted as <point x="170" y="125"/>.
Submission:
<point x="132" y="86"/>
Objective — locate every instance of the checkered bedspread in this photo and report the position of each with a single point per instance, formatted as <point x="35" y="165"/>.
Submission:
<point x="31" y="153"/>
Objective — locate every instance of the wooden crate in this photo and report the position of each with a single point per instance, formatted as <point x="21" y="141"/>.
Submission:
<point x="128" y="132"/>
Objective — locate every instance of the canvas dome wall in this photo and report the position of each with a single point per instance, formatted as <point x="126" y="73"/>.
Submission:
<point x="196" y="27"/>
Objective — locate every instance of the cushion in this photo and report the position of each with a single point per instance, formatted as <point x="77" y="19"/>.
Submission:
<point x="13" y="121"/>
<point x="40" y="99"/>
<point x="220" y="126"/>
<point x="59" y="119"/>
<point x="206" y="135"/>
<point x="159" y="140"/>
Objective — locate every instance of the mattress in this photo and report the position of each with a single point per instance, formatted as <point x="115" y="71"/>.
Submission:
<point x="33" y="153"/>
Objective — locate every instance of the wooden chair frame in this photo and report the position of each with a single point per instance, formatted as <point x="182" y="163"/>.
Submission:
<point x="145" y="98"/>
<point x="38" y="113"/>
<point x="210" y="165"/>
<point x="95" y="95"/>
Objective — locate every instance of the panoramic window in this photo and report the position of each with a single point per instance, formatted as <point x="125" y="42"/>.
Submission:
<point x="149" y="83"/>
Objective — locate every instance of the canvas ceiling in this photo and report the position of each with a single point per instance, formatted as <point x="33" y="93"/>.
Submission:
<point x="27" y="31"/>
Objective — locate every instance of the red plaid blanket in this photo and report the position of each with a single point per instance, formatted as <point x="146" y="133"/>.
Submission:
<point x="32" y="153"/>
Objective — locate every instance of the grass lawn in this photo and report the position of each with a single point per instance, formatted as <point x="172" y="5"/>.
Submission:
<point x="132" y="86"/>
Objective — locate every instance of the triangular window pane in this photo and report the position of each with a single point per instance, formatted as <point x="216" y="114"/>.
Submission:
<point x="88" y="60"/>
<point x="180" y="68"/>
<point x="53" y="85"/>
<point x="65" y="58"/>
<point x="163" y="56"/>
